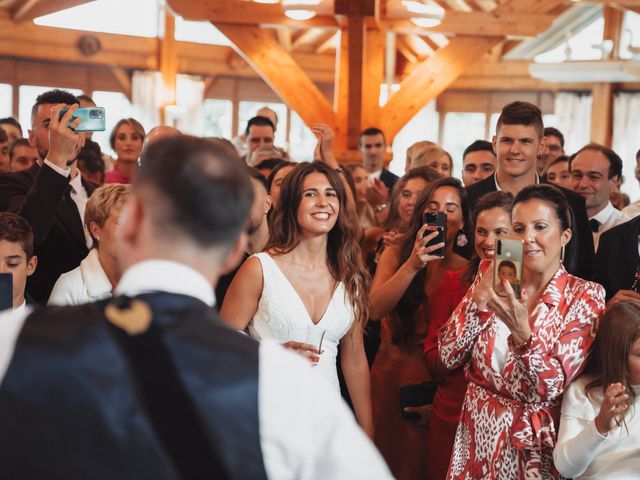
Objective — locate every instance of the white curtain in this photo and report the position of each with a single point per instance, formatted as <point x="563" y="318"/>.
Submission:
<point x="189" y="98"/>
<point x="147" y="94"/>
<point x="626" y="138"/>
<point x="573" y="114"/>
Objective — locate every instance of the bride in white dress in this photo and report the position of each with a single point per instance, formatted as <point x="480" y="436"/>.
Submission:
<point x="310" y="276"/>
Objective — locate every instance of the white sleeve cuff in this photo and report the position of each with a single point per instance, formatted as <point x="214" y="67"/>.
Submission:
<point x="65" y="172"/>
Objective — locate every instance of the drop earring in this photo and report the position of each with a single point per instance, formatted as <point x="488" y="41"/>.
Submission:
<point x="461" y="239"/>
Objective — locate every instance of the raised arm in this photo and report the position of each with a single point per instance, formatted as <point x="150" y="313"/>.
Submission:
<point x="241" y="301"/>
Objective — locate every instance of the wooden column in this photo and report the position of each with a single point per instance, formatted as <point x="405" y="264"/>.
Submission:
<point x="602" y="114"/>
<point x="168" y="62"/>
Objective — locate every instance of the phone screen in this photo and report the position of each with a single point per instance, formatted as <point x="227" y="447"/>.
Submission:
<point x="6" y="291"/>
<point x="438" y="220"/>
<point x="508" y="266"/>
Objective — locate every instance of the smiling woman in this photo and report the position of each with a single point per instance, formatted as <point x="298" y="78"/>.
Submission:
<point x="310" y="282"/>
<point x="521" y="354"/>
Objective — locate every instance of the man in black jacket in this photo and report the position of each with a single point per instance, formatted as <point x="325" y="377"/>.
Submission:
<point x="517" y="143"/>
<point x="618" y="259"/>
<point x="51" y="195"/>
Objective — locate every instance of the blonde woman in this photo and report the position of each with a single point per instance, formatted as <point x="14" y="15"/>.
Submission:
<point x="126" y="140"/>
<point x="96" y="276"/>
<point x="429" y="154"/>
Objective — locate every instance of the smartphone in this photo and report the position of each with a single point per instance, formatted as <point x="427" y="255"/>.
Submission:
<point x="93" y="119"/>
<point x="6" y="291"/>
<point x="414" y="396"/>
<point x="508" y="266"/>
<point x="438" y="220"/>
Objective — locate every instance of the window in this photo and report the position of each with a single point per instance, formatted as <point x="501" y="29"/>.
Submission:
<point x="28" y="95"/>
<point x="423" y="126"/>
<point x="6" y="100"/>
<point x="247" y="110"/>
<point x="460" y="130"/>
<point x="124" y="17"/>
<point x="199" y="32"/>
<point x="580" y="46"/>
<point x="117" y="106"/>
<point x="630" y="37"/>
<point x="217" y="119"/>
<point x="302" y="141"/>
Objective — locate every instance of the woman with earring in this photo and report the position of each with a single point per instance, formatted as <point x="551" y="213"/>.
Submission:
<point x="412" y="288"/>
<point x="126" y="140"/>
<point x="520" y="353"/>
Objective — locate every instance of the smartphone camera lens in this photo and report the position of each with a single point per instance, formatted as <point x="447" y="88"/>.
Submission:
<point x="95" y="114"/>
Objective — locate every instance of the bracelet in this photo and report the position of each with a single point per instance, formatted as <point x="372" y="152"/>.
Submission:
<point x="381" y="207"/>
<point x="520" y="348"/>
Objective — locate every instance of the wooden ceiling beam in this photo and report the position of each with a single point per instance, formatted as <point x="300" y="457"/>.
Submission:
<point x="27" y="10"/>
<point x="490" y="24"/>
<point x="244" y="13"/>
<point x="281" y="72"/>
<point x="430" y="78"/>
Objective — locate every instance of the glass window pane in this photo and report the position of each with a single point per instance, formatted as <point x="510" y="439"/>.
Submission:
<point x="125" y="17"/>
<point x="28" y="95"/>
<point x="423" y="126"/>
<point x="217" y="118"/>
<point x="247" y="110"/>
<point x="117" y="106"/>
<point x="630" y="36"/>
<point x="6" y="100"/>
<point x="199" y="32"/>
<point x="460" y="130"/>
<point x="581" y="46"/>
<point x="302" y="140"/>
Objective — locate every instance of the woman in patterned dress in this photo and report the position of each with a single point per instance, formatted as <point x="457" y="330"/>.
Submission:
<point x="520" y="354"/>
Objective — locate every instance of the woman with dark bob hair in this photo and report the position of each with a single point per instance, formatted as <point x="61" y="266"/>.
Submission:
<point x="600" y="421"/>
<point x="413" y="294"/>
<point x="520" y="354"/>
<point x="310" y="282"/>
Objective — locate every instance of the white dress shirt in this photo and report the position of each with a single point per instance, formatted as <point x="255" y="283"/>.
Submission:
<point x="608" y="218"/>
<point x="78" y="195"/>
<point x="298" y="440"/>
<point x="581" y="452"/>
<point x="376" y="174"/>
<point x="84" y="284"/>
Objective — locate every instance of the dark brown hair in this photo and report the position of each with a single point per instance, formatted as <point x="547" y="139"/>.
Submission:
<point x="15" y="229"/>
<point x="414" y="295"/>
<point x="343" y="250"/>
<point x="521" y="113"/>
<point x="608" y="359"/>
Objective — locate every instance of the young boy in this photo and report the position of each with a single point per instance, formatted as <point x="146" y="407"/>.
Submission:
<point x="16" y="254"/>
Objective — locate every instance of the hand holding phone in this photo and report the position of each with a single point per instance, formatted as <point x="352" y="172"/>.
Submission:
<point x="508" y="266"/>
<point x="437" y="221"/>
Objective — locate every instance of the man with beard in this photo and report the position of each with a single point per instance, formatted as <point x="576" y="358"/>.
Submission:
<point x="51" y="195"/>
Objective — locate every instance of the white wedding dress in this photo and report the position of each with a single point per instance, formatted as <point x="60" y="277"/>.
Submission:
<point x="282" y="316"/>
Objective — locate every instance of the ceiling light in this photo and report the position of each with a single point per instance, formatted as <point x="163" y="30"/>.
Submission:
<point x="266" y="1"/>
<point x="426" y="22"/>
<point x="421" y="14"/>
<point x="300" y="9"/>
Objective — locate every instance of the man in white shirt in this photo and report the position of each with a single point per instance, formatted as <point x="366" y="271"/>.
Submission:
<point x="152" y="384"/>
<point x="594" y="172"/>
<point x="51" y="195"/>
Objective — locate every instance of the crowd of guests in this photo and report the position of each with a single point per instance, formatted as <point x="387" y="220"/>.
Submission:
<point x="447" y="375"/>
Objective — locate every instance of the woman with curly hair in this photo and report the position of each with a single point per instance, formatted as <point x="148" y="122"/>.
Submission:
<point x="310" y="277"/>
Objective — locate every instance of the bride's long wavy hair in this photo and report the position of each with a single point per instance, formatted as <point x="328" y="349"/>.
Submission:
<point x="343" y="249"/>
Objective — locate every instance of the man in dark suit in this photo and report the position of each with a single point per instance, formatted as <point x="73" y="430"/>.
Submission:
<point x="51" y="195"/>
<point x="152" y="384"/>
<point x="517" y="143"/>
<point x="372" y="148"/>
<point x="617" y="261"/>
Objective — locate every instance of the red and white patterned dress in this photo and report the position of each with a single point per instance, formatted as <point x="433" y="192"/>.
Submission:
<point x="507" y="428"/>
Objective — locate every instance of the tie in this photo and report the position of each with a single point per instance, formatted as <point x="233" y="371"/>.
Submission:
<point x="595" y="225"/>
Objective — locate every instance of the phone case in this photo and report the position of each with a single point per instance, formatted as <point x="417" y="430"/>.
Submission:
<point x="93" y="119"/>
<point x="508" y="265"/>
<point x="414" y="396"/>
<point x="438" y="220"/>
<point x="6" y="291"/>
